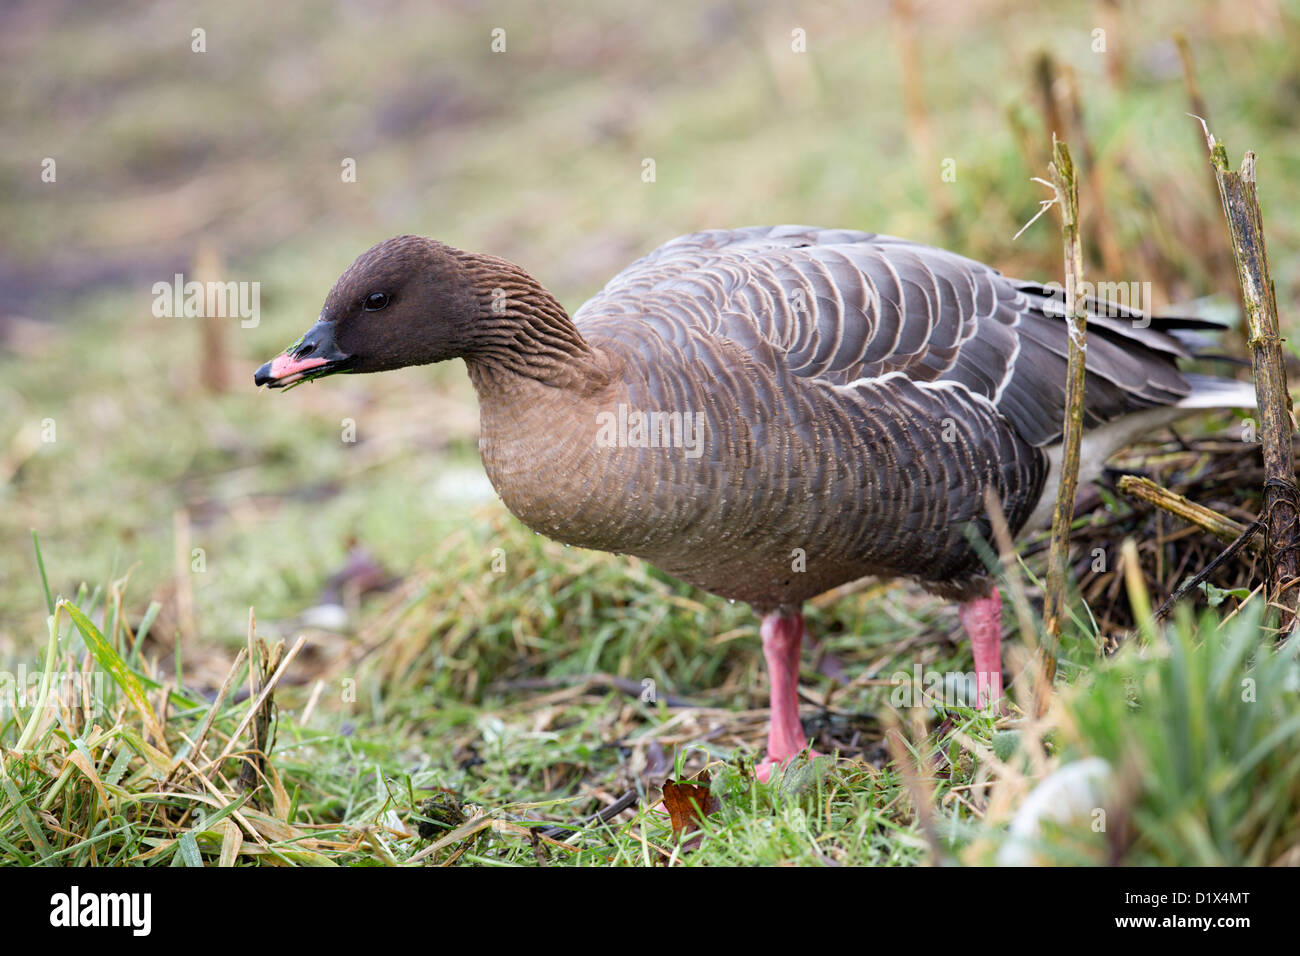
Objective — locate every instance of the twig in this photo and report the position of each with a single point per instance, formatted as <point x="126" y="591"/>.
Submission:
<point x="202" y="736"/>
<point x="916" y="789"/>
<point x="256" y="706"/>
<point x="1112" y="18"/>
<point x="602" y="816"/>
<point x="1207" y="519"/>
<point x="1213" y="253"/>
<point x="1045" y="78"/>
<point x="914" y="110"/>
<point x="214" y="371"/>
<point x="1067" y="192"/>
<point x="183" y="576"/>
<point x="1281" y="511"/>
<point x="259" y="671"/>
<point x="1228" y="554"/>
<point x="1103" y="231"/>
<point x="1194" y="98"/>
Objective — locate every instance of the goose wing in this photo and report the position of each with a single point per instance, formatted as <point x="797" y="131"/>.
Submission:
<point x="846" y="308"/>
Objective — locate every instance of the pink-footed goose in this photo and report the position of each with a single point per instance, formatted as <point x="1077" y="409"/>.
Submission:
<point x="767" y="413"/>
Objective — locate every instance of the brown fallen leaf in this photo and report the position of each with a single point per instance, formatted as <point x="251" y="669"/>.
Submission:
<point x="689" y="802"/>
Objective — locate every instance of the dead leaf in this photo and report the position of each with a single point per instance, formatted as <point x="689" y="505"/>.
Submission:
<point x="689" y="802"/>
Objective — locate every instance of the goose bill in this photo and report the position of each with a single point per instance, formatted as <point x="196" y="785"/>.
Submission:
<point x="315" y="354"/>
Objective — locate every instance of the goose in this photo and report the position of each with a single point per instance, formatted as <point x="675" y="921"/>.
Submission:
<point x="768" y="413"/>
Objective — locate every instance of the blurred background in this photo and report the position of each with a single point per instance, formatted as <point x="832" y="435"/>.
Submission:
<point x="137" y="447"/>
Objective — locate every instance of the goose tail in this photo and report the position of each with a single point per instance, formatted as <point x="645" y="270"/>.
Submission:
<point x="1211" y="392"/>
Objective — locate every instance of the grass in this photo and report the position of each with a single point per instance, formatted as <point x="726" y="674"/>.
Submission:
<point x="463" y="680"/>
<point x="1203" y="732"/>
<point x="107" y="771"/>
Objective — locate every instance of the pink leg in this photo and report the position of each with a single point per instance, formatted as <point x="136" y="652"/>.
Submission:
<point x="982" y="619"/>
<point x="782" y="637"/>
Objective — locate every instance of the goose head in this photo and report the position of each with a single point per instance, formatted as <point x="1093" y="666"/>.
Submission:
<point x="406" y="301"/>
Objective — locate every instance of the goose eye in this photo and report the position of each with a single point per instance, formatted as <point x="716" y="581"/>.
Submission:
<point x="376" y="301"/>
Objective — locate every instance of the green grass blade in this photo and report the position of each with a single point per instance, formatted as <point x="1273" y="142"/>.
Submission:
<point x="40" y="563"/>
<point x="26" y="818"/>
<point x="187" y="850"/>
<point x="109" y="659"/>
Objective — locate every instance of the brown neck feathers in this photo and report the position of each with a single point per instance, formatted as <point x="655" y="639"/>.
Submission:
<point x="522" y="331"/>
